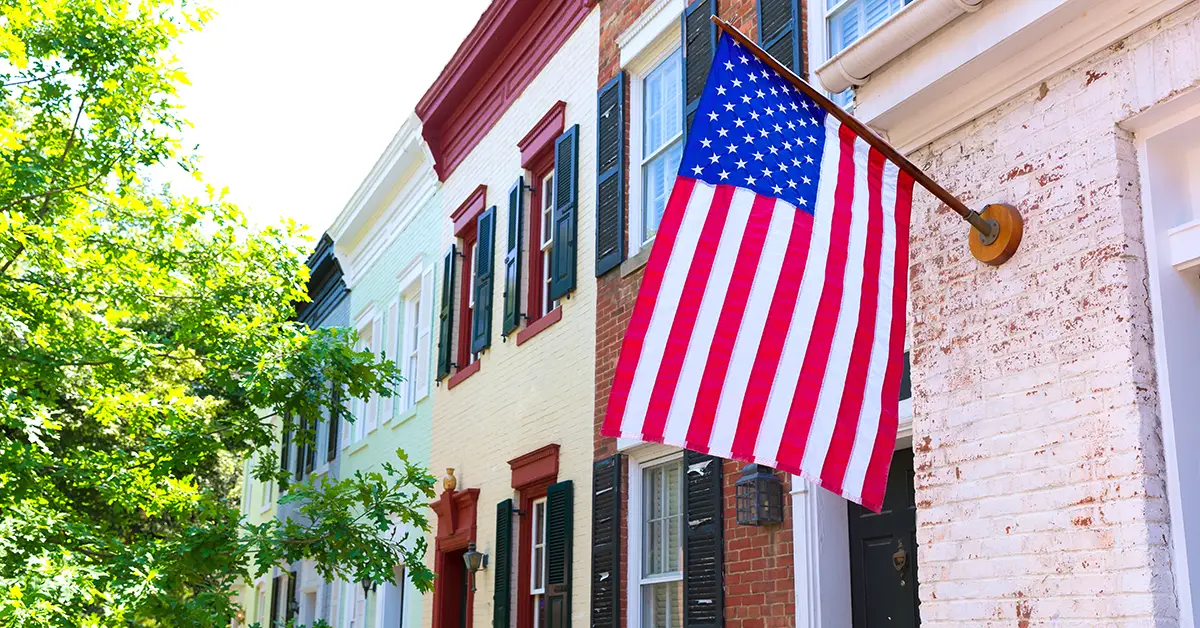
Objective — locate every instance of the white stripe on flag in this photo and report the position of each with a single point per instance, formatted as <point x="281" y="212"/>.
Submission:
<point x="745" y="349"/>
<point x="688" y="387"/>
<point x="837" y="363"/>
<point x="766" y="448"/>
<point x="664" y="310"/>
<point x="868" y="421"/>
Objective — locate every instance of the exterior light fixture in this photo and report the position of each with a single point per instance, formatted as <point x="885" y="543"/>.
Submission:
<point x="759" y="496"/>
<point x="474" y="561"/>
<point x="367" y="586"/>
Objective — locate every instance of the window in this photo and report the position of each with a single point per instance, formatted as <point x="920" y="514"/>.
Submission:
<point x="410" y="337"/>
<point x="537" y="569"/>
<point x="846" y="21"/>
<point x="466" y="317"/>
<point x="547" y="241"/>
<point x="662" y="140"/>
<point x="662" y="546"/>
<point x="261" y="607"/>
<point x="363" y="407"/>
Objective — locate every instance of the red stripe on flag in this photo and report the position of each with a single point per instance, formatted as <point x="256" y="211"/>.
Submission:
<point x="712" y="381"/>
<point x="816" y="358"/>
<point x="635" y="335"/>
<point x="685" y="316"/>
<point x="779" y="320"/>
<point x="875" y="481"/>
<point x="850" y="410"/>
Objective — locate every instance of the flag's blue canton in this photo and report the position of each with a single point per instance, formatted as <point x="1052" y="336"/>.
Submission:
<point x="753" y="129"/>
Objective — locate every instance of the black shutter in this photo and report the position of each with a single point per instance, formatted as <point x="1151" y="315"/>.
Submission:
<point x="779" y="32"/>
<point x="502" y="586"/>
<point x="310" y="447"/>
<point x="481" y="326"/>
<point x="559" y="525"/>
<point x="335" y="424"/>
<point x="277" y="591"/>
<point x="703" y="553"/>
<point x="446" y="326"/>
<point x="292" y="604"/>
<point x="610" y="175"/>
<point x="699" y="46"/>
<point x="512" y="257"/>
<point x="606" y="542"/>
<point x="566" y="204"/>
<point x="285" y="452"/>
<point x="301" y="454"/>
<point x="906" y="378"/>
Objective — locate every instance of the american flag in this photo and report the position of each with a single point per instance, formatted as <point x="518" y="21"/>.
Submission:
<point x="769" y="326"/>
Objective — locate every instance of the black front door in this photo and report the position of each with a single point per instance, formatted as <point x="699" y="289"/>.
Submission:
<point x="883" y="554"/>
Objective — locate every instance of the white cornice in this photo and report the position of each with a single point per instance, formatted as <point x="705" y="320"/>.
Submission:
<point x="658" y="18"/>
<point x="988" y="57"/>
<point x="400" y="183"/>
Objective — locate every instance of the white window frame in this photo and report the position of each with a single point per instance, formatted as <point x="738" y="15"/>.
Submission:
<point x="640" y="458"/>
<point x="534" y="567"/>
<point x="261" y="613"/>
<point x="819" y="48"/>
<point x="647" y="56"/>
<point x="546" y="238"/>
<point x="407" y="347"/>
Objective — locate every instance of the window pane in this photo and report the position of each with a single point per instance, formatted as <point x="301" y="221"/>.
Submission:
<point x="663" y="605"/>
<point x="661" y="106"/>
<point x="659" y="177"/>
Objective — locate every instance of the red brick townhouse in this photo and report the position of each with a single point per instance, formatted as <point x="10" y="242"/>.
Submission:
<point x="668" y="548"/>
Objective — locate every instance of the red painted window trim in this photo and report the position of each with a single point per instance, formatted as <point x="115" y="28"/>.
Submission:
<point x="464" y="215"/>
<point x="541" y="137"/>
<point x="532" y="475"/>
<point x="539" y="325"/>
<point x="512" y="42"/>
<point x="541" y="166"/>
<point x="461" y="374"/>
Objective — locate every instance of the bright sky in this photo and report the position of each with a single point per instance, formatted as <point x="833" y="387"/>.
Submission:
<point x="293" y="101"/>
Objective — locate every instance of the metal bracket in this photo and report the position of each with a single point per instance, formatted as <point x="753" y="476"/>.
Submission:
<point x="987" y="239"/>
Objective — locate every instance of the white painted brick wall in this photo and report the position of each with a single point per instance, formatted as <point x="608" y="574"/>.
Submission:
<point x="1039" y="460"/>
<point x="541" y="392"/>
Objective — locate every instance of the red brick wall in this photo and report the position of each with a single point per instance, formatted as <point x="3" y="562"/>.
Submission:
<point x="760" y="589"/>
<point x="759" y="583"/>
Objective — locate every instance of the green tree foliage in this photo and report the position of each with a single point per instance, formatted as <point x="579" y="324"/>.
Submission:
<point x="147" y="345"/>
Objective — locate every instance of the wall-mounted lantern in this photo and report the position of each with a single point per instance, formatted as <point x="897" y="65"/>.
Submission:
<point x="759" y="496"/>
<point x="474" y="561"/>
<point x="367" y="586"/>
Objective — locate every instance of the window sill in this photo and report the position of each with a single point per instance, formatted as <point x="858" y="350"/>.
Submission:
<point x="404" y="417"/>
<point x="536" y="327"/>
<point x="358" y="447"/>
<point x="638" y="260"/>
<point x="462" y="374"/>
<point x="908" y="27"/>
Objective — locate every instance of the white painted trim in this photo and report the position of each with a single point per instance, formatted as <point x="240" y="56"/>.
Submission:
<point x="1185" y="245"/>
<point x="1154" y="122"/>
<point x="989" y="57"/>
<point x="657" y="19"/>
<point x="638" y="459"/>
<point x="903" y="30"/>
<point x="667" y="43"/>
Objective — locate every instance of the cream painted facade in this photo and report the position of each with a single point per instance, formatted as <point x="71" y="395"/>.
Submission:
<point x="541" y="392"/>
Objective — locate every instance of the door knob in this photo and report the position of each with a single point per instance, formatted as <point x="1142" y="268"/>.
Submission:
<point x="900" y="560"/>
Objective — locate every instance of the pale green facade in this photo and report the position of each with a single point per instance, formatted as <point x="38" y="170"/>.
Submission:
<point x="387" y="240"/>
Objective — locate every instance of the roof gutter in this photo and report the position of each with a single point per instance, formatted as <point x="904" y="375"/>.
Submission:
<point x="915" y="22"/>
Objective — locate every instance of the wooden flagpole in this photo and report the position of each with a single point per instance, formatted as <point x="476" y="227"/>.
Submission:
<point x="999" y="227"/>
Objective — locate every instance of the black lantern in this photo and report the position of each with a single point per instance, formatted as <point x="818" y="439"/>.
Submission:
<point x="759" y="496"/>
<point x="474" y="561"/>
<point x="367" y="586"/>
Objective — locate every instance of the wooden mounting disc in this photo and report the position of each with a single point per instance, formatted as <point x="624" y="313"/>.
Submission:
<point x="1012" y="227"/>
